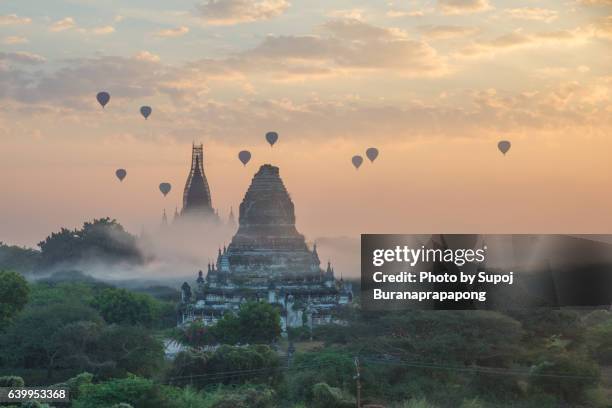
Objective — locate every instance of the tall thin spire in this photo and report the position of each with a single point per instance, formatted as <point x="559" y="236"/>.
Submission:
<point x="196" y="197"/>
<point x="164" y="221"/>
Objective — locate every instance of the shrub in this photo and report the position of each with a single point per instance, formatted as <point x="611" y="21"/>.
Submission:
<point x="325" y="396"/>
<point x="12" y="381"/>
<point x="74" y="384"/>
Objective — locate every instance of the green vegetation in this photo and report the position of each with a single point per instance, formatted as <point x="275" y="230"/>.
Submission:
<point x="226" y="365"/>
<point x="123" y="307"/>
<point x="14" y="293"/>
<point x="255" y="323"/>
<point x="18" y="259"/>
<point x="105" y="345"/>
<point x="60" y="332"/>
<point x="104" y="239"/>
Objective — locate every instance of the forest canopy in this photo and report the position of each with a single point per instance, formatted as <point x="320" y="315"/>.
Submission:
<point x="101" y="240"/>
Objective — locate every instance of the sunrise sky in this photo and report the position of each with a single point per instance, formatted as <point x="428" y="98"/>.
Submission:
<point x="434" y="85"/>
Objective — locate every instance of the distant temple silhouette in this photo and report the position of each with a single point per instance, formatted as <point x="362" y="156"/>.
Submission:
<point x="197" y="200"/>
<point x="196" y="196"/>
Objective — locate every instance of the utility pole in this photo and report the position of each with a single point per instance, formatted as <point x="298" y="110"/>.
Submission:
<point x="358" y="379"/>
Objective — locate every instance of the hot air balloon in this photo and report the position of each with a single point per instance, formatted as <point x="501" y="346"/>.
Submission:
<point x="372" y="153"/>
<point x="504" y="146"/>
<point x="103" y="98"/>
<point x="244" y="156"/>
<point x="165" y="188"/>
<point x="357" y="160"/>
<point x="121" y="173"/>
<point x="145" y="111"/>
<point x="271" y="137"/>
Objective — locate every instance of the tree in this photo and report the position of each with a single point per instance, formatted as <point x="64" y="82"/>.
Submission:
<point x="227" y="365"/>
<point x="599" y="341"/>
<point x="103" y="239"/>
<point x="137" y="391"/>
<point x="196" y="334"/>
<point x="246" y="396"/>
<point x="256" y="323"/>
<point x="331" y="366"/>
<point x="45" y="337"/>
<point x="567" y="375"/>
<point x="187" y="364"/>
<point x="14" y="293"/>
<point x="11" y="381"/>
<point x="14" y="258"/>
<point x="325" y="396"/>
<point x="124" y="307"/>
<point x="131" y="349"/>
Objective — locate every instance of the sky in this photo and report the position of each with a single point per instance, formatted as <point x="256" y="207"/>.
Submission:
<point x="434" y="85"/>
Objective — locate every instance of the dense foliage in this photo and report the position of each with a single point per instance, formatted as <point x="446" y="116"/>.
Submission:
<point x="18" y="259"/>
<point x="60" y="332"/>
<point x="105" y="345"/>
<point x="226" y="365"/>
<point x="102" y="239"/>
<point x="124" y="307"/>
<point x="14" y="293"/>
<point x="255" y="323"/>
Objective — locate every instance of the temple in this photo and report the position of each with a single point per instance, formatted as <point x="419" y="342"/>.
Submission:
<point x="196" y="196"/>
<point x="267" y="260"/>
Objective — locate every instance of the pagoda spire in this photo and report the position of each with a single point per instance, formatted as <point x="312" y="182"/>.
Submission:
<point x="231" y="219"/>
<point x="196" y="196"/>
<point x="315" y="255"/>
<point x="164" y="221"/>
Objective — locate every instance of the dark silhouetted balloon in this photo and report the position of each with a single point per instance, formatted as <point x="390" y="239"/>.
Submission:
<point x="357" y="160"/>
<point x="372" y="153"/>
<point x="244" y="156"/>
<point x="145" y="111"/>
<point x="504" y="146"/>
<point x="103" y="98"/>
<point x="271" y="137"/>
<point x="165" y="188"/>
<point x="121" y="173"/>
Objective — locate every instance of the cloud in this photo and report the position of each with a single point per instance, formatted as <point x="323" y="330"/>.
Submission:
<point x="21" y="57"/>
<point x="602" y="28"/>
<point x="595" y="2"/>
<point x="14" y="19"/>
<point x="147" y="56"/>
<point x="228" y="12"/>
<point x="356" y="14"/>
<point x="12" y="39"/>
<point x="443" y="32"/>
<point x="62" y="25"/>
<point x="402" y="13"/>
<point x="173" y="32"/>
<point x="68" y="23"/>
<point x="518" y="40"/>
<point x="346" y="45"/>
<point x="532" y="13"/>
<point x="103" y="30"/>
<point x="450" y="7"/>
<point x="77" y="80"/>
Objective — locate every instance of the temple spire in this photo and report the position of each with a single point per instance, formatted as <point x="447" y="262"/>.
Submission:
<point x="231" y="219"/>
<point x="164" y="221"/>
<point x="196" y="196"/>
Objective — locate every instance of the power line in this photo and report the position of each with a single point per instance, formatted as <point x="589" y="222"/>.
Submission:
<point x="478" y="369"/>
<point x="374" y="360"/>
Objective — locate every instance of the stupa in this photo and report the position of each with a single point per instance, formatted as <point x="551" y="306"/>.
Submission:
<point x="268" y="260"/>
